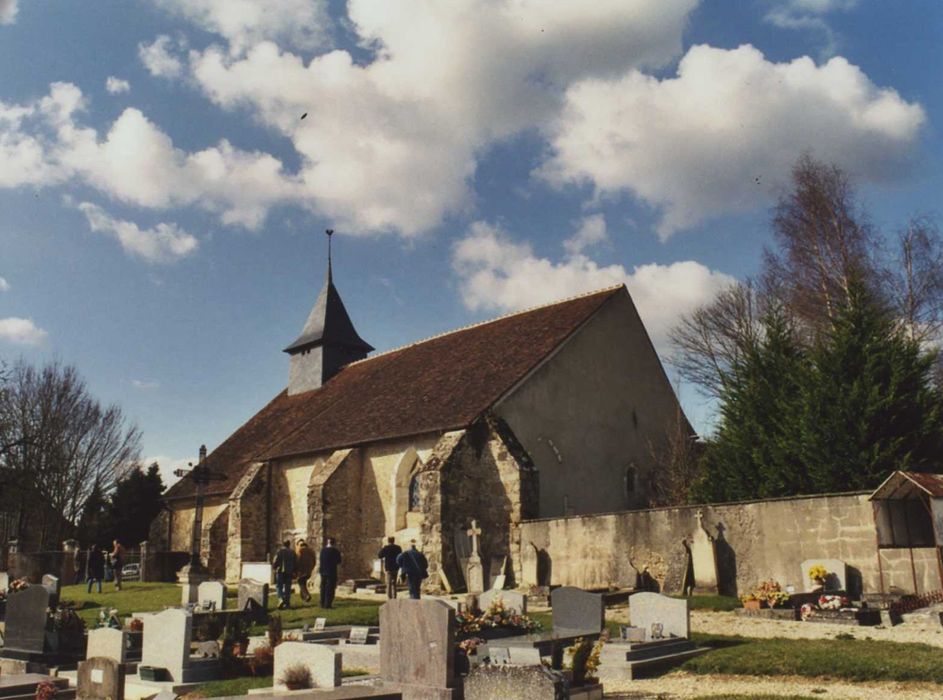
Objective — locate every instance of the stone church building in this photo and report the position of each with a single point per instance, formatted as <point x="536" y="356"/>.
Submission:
<point x="548" y="412"/>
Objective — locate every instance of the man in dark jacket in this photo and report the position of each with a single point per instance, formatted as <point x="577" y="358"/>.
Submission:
<point x="305" y="565"/>
<point x="284" y="566"/>
<point x="387" y="557"/>
<point x="415" y="567"/>
<point x="328" y="562"/>
<point x="96" y="567"/>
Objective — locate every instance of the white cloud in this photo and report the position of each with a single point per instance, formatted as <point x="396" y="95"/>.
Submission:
<point x="8" y="10"/>
<point x="21" y="331"/>
<point x="167" y="465"/>
<point x="809" y="15"/>
<point x="116" y="85"/>
<point x="592" y="230"/>
<point x="159" y="57"/>
<point x="499" y="274"/>
<point x="144" y="385"/>
<point x="162" y="244"/>
<point x="43" y="143"/>
<point x="4" y="285"/>
<point x="723" y="134"/>
<point x="301" y="24"/>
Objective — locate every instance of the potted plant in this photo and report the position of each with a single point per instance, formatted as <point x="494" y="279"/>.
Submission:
<point x="750" y="601"/>
<point x="296" y="677"/>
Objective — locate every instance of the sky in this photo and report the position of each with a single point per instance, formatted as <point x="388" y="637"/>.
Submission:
<point x="168" y="169"/>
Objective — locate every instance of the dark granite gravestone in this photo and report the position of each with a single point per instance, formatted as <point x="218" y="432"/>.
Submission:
<point x="253" y="597"/>
<point x="52" y="584"/>
<point x="100" y="679"/>
<point x="487" y="682"/>
<point x="577" y="610"/>
<point x="25" y="633"/>
<point x="417" y="654"/>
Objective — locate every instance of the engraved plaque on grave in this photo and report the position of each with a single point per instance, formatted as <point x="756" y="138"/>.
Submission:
<point x="26" y="622"/>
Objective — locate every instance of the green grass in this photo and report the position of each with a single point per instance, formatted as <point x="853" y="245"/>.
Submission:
<point x="234" y="686"/>
<point x="133" y="597"/>
<point x="346" y="611"/>
<point x="754" y="697"/>
<point x="845" y="659"/>
<point x="717" y="603"/>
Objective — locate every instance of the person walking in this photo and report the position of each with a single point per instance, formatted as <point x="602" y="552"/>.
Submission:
<point x="415" y="568"/>
<point x="304" y="567"/>
<point x="284" y="566"/>
<point x="95" y="567"/>
<point x="387" y="557"/>
<point x="117" y="562"/>
<point x="328" y="562"/>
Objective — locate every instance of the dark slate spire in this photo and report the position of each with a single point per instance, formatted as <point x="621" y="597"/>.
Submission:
<point x="328" y="340"/>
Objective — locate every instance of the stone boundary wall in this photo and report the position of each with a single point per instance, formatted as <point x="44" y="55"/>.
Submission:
<point x="756" y="540"/>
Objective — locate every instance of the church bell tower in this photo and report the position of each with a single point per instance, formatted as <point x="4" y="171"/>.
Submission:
<point x="327" y="342"/>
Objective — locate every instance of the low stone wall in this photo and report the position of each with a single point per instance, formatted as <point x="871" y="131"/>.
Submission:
<point x="756" y="540"/>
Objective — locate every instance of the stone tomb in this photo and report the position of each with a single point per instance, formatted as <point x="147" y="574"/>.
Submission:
<point x="487" y="682"/>
<point x="837" y="579"/>
<point x="576" y="610"/>
<point x="417" y="654"/>
<point x="653" y="611"/>
<point x="108" y="643"/>
<point x="167" y="637"/>
<point x="253" y="595"/>
<point x="100" y="678"/>
<point x="513" y="601"/>
<point x="25" y="631"/>
<point x="703" y="558"/>
<point x="53" y="585"/>
<point x="213" y="593"/>
<point x="323" y="661"/>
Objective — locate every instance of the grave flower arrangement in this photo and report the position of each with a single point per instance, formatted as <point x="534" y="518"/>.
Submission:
<point x="46" y="690"/>
<point x="18" y="584"/>
<point x="833" y="602"/>
<point x="70" y="628"/>
<point x="585" y="659"/>
<point x="470" y="645"/>
<point x="818" y="573"/>
<point x="495" y="617"/>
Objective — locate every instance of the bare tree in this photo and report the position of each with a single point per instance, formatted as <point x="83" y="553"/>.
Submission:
<point x="916" y="280"/>
<point x="675" y="463"/>
<point x="62" y="442"/>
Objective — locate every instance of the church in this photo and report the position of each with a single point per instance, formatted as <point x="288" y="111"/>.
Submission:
<point x="549" y="412"/>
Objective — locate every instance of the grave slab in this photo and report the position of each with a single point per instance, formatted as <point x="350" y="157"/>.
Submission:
<point x="656" y="612"/>
<point x="100" y="679"/>
<point x="512" y="600"/>
<point x="322" y="661"/>
<point x="576" y="609"/>
<point x="487" y="682"/>
<point x="105" y="642"/>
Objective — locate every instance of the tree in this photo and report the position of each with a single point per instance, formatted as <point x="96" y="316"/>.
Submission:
<point x="915" y="280"/>
<point x="136" y="501"/>
<point x="675" y="461"/>
<point x="62" y="444"/>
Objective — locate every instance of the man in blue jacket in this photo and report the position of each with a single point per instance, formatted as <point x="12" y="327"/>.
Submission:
<point x="415" y="567"/>
<point x="328" y="562"/>
<point x="284" y="566"/>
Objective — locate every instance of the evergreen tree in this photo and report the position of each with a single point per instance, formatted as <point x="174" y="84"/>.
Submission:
<point x="94" y="527"/>
<point x="869" y="405"/>
<point x="136" y="501"/>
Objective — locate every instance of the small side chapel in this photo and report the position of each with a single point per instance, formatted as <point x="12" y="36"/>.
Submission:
<point x="548" y="412"/>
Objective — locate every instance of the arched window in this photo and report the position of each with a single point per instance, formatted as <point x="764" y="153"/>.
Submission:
<point x="414" y="493"/>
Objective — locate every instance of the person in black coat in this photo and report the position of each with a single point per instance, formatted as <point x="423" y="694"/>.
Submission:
<point x="96" y="567"/>
<point x="328" y="562"/>
<point x="415" y="568"/>
<point x="284" y="566"/>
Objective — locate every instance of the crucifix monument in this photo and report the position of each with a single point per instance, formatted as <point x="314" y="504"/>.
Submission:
<point x="474" y="572"/>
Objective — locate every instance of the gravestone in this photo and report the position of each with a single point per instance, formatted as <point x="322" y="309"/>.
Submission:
<point x="53" y="585"/>
<point x="212" y="592"/>
<point x="167" y="642"/>
<point x="500" y="656"/>
<point x="654" y="613"/>
<point x="359" y="635"/>
<point x="837" y="579"/>
<point x="4" y="581"/>
<point x="417" y="654"/>
<point x="487" y="682"/>
<point x="320" y="623"/>
<point x="678" y="559"/>
<point x="496" y="572"/>
<point x="576" y="610"/>
<point x="108" y="643"/>
<point x="323" y="661"/>
<point x="257" y="571"/>
<point x="530" y="557"/>
<point x="100" y="678"/>
<point x="513" y="601"/>
<point x="474" y="570"/>
<point x="25" y="631"/>
<point x="703" y="558"/>
<point x="253" y="595"/>
<point x="524" y="656"/>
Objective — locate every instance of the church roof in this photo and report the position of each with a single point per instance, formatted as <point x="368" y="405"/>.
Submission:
<point x="442" y="383"/>
<point x="328" y="323"/>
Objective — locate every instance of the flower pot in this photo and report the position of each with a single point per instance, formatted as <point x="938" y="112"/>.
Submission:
<point x="752" y="605"/>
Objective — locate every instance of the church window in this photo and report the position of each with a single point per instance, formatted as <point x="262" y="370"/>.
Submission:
<point x="414" y="493"/>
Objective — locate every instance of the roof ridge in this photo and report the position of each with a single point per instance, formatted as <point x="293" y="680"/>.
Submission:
<point x="528" y="310"/>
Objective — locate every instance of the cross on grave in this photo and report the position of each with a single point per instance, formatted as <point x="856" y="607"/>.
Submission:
<point x="474" y="531"/>
<point x="699" y="516"/>
<point x="201" y="476"/>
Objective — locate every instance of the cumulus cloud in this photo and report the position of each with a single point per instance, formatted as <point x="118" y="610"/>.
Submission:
<point x="44" y="143"/>
<point x="21" y="331"/>
<point x="167" y="465"/>
<point x="4" y="285"/>
<point x="161" y="58"/>
<point x="116" y="85"/>
<point x="8" y="10"/>
<point x="164" y="243"/>
<point x="300" y="24"/>
<point x="392" y="144"/>
<point x="592" y="230"/>
<point x="497" y="273"/>
<point x="722" y="135"/>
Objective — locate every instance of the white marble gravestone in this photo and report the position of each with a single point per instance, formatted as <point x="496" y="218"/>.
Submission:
<point x="212" y="592"/>
<point x="257" y="571"/>
<point x="513" y="601"/>
<point x="107" y="643"/>
<point x="653" y="611"/>
<point x="167" y="642"/>
<point x="323" y="661"/>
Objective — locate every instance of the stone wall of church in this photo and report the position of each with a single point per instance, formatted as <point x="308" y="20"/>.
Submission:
<point x="248" y="516"/>
<point x="591" y="414"/>
<point x="756" y="540"/>
<point x="181" y="529"/>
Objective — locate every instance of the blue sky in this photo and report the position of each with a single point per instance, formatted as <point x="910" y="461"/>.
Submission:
<point x="163" y="202"/>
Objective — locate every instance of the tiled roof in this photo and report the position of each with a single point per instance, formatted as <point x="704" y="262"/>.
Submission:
<point x="438" y="384"/>
<point x="902" y="485"/>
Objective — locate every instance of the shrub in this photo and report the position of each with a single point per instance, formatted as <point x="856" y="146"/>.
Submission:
<point x="275" y="631"/>
<point x="262" y="660"/>
<point x="296" y="677"/>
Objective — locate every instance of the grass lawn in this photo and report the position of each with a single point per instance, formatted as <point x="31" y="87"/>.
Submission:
<point x="717" y="603"/>
<point x="846" y="659"/>
<point x="234" y="686"/>
<point x="133" y="597"/>
<point x="346" y="611"/>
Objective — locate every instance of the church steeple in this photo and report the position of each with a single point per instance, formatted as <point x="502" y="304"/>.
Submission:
<point x="328" y="340"/>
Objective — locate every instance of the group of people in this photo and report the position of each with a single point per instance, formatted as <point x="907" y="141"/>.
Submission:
<point x="298" y="564"/>
<point x="96" y="560"/>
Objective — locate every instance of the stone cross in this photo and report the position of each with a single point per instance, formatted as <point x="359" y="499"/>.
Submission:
<point x="474" y="531"/>
<point x="699" y="514"/>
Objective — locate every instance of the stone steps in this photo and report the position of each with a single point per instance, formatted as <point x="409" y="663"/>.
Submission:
<point x="647" y="650"/>
<point x="631" y="670"/>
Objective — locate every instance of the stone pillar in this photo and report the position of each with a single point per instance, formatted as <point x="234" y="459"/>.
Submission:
<point x="145" y="561"/>
<point x="70" y="550"/>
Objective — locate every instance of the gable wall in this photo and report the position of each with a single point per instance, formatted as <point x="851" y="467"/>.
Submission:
<point x="573" y="415"/>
